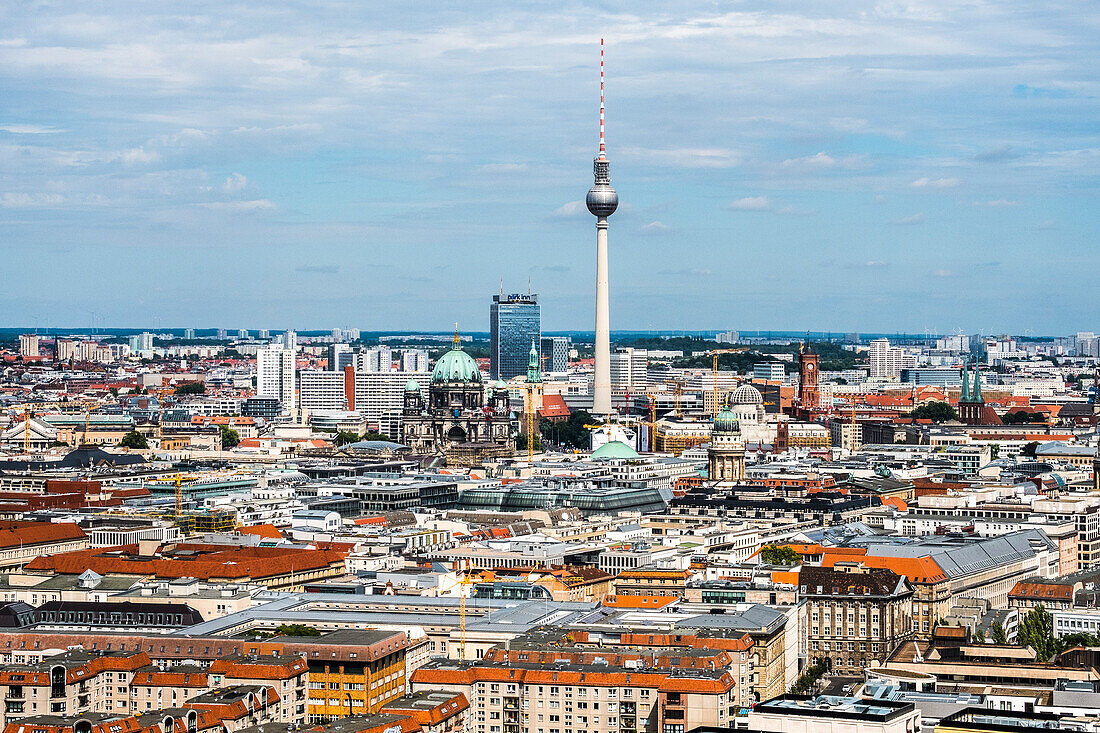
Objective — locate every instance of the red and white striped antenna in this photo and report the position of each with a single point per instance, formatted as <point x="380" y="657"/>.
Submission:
<point x="602" y="149"/>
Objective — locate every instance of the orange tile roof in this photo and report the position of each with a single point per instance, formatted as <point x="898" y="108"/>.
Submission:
<point x="267" y="531"/>
<point x="916" y="569"/>
<point x="23" y="534"/>
<point x="1042" y="591"/>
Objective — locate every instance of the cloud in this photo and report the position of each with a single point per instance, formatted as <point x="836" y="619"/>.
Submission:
<point x="551" y="268"/>
<point x="240" y="206"/>
<point x="318" y="269"/>
<point x="874" y="264"/>
<point x="1024" y="91"/>
<point x="999" y="154"/>
<point x="997" y="203"/>
<point x="570" y="210"/>
<point x="655" y="227"/>
<point x="236" y="182"/>
<point x="907" y="220"/>
<point x="824" y="161"/>
<point x="687" y="157"/>
<point x="29" y="200"/>
<point x="1047" y="224"/>
<point x="139" y="156"/>
<point x="935" y="183"/>
<point x="943" y="273"/>
<point x="16" y="129"/>
<point x="751" y="203"/>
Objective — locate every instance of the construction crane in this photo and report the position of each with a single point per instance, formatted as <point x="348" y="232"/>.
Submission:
<point x="678" y="389"/>
<point x="714" y="372"/>
<point x="463" y="583"/>
<point x="529" y="417"/>
<point x="27" y="430"/>
<point x="177" y="481"/>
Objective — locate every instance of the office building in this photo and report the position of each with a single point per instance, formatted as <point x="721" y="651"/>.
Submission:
<point x="728" y="337"/>
<point x="555" y="353"/>
<point x="340" y="356"/>
<point x="628" y="371"/>
<point x="515" y="322"/>
<point x="222" y="334"/>
<point x="189" y="334"/>
<point x="275" y="375"/>
<point x="324" y="390"/>
<point x="28" y="345"/>
<point x="769" y="371"/>
<point x="380" y="396"/>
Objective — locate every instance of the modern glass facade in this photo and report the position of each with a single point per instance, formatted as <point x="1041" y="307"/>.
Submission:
<point x="514" y="322"/>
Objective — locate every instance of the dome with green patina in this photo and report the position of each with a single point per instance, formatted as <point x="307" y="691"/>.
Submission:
<point x="456" y="366"/>
<point x="615" y="449"/>
<point x="726" y="421"/>
<point x="412" y="386"/>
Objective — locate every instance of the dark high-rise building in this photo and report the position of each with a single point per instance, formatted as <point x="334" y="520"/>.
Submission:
<point x="555" y="353"/>
<point x="515" y="321"/>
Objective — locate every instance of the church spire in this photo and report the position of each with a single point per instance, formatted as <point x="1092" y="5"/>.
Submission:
<point x="965" y="397"/>
<point x="533" y="375"/>
<point x="976" y="391"/>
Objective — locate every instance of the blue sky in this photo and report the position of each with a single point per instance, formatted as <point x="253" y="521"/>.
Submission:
<point x="874" y="166"/>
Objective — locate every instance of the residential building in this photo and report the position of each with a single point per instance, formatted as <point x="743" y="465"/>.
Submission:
<point x="28" y="345"/>
<point x="769" y="371"/>
<point x="275" y="375"/>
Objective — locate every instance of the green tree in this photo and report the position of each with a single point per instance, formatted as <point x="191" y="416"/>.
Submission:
<point x="999" y="635"/>
<point x="521" y="443"/>
<point x="1081" y="638"/>
<point x="1029" y="449"/>
<point x="113" y="391"/>
<point x="134" y="439"/>
<point x="230" y="437"/>
<point x="779" y="555"/>
<point x="289" y="630"/>
<point x="344" y="437"/>
<point x="1037" y="632"/>
<point x="1022" y="417"/>
<point x="979" y="636"/>
<point x="190" y="388"/>
<point x="935" y="411"/>
<point x="375" y="435"/>
<point x="570" y="433"/>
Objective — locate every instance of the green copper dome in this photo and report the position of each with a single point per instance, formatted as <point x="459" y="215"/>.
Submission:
<point x="614" y="449"/>
<point x="726" y="422"/>
<point x="412" y="386"/>
<point x="456" y="366"/>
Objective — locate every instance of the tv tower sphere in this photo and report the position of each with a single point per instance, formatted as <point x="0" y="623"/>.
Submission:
<point x="602" y="199"/>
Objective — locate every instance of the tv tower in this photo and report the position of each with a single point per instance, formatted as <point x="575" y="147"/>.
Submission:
<point x="602" y="202"/>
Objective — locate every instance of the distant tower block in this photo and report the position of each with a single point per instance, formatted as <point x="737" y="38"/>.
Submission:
<point x="602" y="201"/>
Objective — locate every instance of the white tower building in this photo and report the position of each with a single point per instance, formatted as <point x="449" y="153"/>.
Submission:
<point x="275" y="375"/>
<point x="602" y="201"/>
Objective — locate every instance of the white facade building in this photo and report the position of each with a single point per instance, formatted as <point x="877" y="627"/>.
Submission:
<point x="275" y="375"/>
<point x="322" y="390"/>
<point x="28" y="345"/>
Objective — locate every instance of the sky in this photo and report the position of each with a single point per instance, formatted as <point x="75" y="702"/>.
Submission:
<point x="853" y="166"/>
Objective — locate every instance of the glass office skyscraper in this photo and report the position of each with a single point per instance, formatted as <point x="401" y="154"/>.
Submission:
<point x="514" y="322"/>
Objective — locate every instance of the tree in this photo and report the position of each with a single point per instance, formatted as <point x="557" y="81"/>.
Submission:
<point x="1029" y="449"/>
<point x="134" y="439"/>
<point x="230" y="437"/>
<point x="979" y="636"/>
<point x="1022" y="417"/>
<point x="779" y="555"/>
<point x="190" y="388"/>
<point x="521" y="443"/>
<point x="344" y="437"/>
<point x="935" y="411"/>
<point x="113" y="391"/>
<point x="289" y="630"/>
<point x="1081" y="638"/>
<point x="999" y="636"/>
<point x="570" y="433"/>
<point x="375" y="435"/>
<point x="1037" y="631"/>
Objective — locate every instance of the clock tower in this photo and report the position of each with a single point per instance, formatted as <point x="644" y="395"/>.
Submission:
<point x="809" y="393"/>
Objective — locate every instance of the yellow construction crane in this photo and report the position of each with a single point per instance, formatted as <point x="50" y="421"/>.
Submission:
<point x="177" y="480"/>
<point x="714" y="372"/>
<point x="27" y="430"/>
<point x="529" y="417"/>
<point x="463" y="583"/>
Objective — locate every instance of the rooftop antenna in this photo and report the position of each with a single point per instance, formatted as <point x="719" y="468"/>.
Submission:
<point x="502" y="287"/>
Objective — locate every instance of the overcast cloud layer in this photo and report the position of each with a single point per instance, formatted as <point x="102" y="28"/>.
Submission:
<point x="781" y="165"/>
